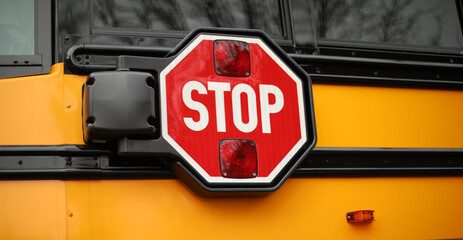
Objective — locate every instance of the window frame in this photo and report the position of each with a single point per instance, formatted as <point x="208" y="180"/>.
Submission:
<point x="40" y="62"/>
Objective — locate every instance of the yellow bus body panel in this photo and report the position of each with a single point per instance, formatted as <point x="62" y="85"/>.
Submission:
<point x="405" y="208"/>
<point x="46" y="110"/>
<point x="304" y="208"/>
<point x="358" y="116"/>
<point x="42" y="109"/>
<point x="33" y="210"/>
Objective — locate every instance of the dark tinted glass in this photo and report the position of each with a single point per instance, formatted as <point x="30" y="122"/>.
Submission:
<point x="302" y="19"/>
<point x="410" y="22"/>
<point x="185" y="15"/>
<point x="17" y="27"/>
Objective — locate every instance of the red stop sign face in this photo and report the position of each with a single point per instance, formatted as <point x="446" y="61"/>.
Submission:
<point x="199" y="108"/>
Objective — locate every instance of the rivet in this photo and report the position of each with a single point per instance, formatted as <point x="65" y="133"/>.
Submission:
<point x="68" y="161"/>
<point x="224" y="174"/>
<point x="68" y="105"/>
<point x="71" y="214"/>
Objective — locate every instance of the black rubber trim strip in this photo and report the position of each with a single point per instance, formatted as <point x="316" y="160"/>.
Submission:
<point x="381" y="72"/>
<point x="377" y="172"/>
<point x="339" y="162"/>
<point x="76" y="162"/>
<point x="382" y="81"/>
<point x="39" y="150"/>
<point x="371" y="46"/>
<point x="343" y="150"/>
<point x="84" y="174"/>
<point x="372" y="61"/>
<point x="91" y="162"/>
<point x="334" y="69"/>
<point x="78" y="67"/>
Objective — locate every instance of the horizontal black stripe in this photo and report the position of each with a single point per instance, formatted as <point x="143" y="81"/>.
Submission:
<point x="381" y="72"/>
<point x="322" y="69"/>
<point x="88" y="162"/>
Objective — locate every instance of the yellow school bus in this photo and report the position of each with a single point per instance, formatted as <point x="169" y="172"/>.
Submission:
<point x="84" y="155"/>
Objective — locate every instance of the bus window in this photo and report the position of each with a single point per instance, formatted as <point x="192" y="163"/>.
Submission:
<point x="186" y="15"/>
<point x="17" y="27"/>
<point x="25" y="37"/>
<point x="160" y="24"/>
<point x="423" y="23"/>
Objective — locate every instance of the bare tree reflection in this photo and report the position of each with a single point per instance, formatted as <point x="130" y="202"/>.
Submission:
<point x="68" y="12"/>
<point x="105" y="11"/>
<point x="186" y="15"/>
<point x="416" y="22"/>
<point x="438" y="17"/>
<point x="166" y="12"/>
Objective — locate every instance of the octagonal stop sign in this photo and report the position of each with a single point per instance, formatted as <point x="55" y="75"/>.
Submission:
<point x="252" y="113"/>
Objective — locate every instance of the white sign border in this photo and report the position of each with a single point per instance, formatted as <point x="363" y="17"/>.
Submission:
<point x="186" y="156"/>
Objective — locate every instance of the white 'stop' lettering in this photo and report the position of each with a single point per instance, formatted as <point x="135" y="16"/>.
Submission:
<point x="219" y="88"/>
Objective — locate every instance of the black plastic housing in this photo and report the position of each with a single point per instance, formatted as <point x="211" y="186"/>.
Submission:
<point x="118" y="103"/>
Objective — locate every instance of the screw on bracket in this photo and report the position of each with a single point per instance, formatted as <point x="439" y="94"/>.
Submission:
<point x="68" y="161"/>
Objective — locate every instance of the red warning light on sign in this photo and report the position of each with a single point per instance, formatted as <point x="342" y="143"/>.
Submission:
<point x="231" y="58"/>
<point x="238" y="158"/>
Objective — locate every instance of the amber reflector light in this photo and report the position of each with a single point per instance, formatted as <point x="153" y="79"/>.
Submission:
<point x="361" y="216"/>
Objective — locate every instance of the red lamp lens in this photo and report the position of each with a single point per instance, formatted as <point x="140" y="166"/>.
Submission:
<point x="232" y="58"/>
<point x="238" y="158"/>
